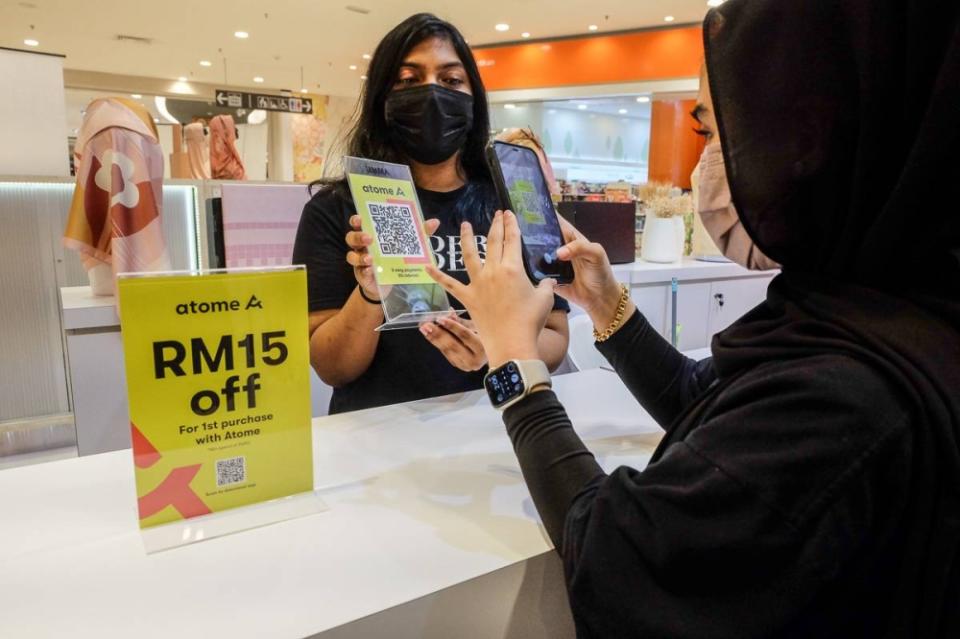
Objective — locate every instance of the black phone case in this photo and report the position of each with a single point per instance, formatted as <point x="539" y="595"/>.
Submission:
<point x="503" y="197"/>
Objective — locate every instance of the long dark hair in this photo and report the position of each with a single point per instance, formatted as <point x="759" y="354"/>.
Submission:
<point x="369" y="137"/>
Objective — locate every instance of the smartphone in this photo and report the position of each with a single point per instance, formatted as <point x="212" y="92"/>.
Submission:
<point x="522" y="188"/>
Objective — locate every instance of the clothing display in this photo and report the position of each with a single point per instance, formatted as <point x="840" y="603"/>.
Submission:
<point x="198" y="150"/>
<point x="114" y="218"/>
<point x="809" y="481"/>
<point x="406" y="366"/>
<point x="225" y="160"/>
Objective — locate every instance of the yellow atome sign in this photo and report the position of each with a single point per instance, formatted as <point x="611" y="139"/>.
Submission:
<point x="218" y="383"/>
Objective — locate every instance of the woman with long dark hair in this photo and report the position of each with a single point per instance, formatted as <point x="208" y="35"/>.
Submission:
<point x="424" y="105"/>
<point x="808" y="484"/>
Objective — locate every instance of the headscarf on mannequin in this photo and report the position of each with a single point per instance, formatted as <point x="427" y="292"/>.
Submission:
<point x="841" y="156"/>
<point x="198" y="151"/>
<point x="115" y="214"/>
<point x="225" y="160"/>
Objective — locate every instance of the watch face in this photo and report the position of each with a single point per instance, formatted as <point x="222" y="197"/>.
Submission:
<point x="504" y="384"/>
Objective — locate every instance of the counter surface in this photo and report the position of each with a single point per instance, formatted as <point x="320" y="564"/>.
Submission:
<point x="82" y="309"/>
<point x="642" y="272"/>
<point x="421" y="497"/>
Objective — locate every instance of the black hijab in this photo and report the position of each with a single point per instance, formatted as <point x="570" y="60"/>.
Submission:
<point x="843" y="157"/>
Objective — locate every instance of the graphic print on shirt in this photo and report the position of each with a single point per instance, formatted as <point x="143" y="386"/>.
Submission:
<point x="449" y="252"/>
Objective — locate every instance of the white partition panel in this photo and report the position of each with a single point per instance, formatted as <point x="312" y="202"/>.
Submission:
<point x="33" y="118"/>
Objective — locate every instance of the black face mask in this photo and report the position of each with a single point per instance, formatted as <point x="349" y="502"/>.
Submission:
<point x="429" y="123"/>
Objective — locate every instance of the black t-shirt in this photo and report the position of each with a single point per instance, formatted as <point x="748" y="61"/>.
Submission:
<point x="406" y="367"/>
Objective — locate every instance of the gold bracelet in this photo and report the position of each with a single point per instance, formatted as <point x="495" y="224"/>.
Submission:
<point x="617" y="319"/>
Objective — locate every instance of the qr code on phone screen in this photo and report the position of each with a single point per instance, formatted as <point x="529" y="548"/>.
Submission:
<point x="396" y="229"/>
<point x="231" y="471"/>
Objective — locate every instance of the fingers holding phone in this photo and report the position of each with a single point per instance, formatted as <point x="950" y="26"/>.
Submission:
<point x="595" y="287"/>
<point x="509" y="311"/>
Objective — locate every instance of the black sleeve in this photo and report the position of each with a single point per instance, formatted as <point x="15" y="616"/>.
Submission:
<point x="556" y="465"/>
<point x="660" y="377"/>
<point x="734" y="530"/>
<point x="321" y="246"/>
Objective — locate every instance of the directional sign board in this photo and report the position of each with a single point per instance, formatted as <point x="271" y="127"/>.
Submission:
<point x="241" y="100"/>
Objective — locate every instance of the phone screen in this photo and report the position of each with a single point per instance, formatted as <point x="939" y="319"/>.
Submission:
<point x="530" y="200"/>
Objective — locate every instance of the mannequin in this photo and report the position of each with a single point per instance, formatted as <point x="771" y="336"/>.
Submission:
<point x="225" y="161"/>
<point x="114" y="220"/>
<point x="198" y="150"/>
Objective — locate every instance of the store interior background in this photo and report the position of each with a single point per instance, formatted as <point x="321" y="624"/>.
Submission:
<point x="607" y="86"/>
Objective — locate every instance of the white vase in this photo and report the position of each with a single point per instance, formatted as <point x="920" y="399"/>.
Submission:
<point x="663" y="239"/>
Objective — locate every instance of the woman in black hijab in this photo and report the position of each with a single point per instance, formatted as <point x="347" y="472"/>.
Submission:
<point x="808" y="484"/>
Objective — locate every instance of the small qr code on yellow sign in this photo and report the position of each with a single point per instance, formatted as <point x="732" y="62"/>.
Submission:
<point x="231" y="471"/>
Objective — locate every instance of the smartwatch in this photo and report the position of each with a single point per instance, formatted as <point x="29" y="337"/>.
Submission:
<point x="513" y="381"/>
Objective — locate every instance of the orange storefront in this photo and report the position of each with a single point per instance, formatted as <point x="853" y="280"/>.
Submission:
<point x="645" y="80"/>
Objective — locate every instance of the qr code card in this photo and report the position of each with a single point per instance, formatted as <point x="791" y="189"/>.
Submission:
<point x="397" y="230"/>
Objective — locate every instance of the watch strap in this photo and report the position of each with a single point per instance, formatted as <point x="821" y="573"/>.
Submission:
<point x="535" y="373"/>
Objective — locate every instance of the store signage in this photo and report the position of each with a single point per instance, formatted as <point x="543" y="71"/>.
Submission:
<point x="218" y="385"/>
<point x="241" y="100"/>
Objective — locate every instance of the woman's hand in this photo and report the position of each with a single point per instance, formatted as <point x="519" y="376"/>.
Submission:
<point x="508" y="311"/>
<point x="595" y="288"/>
<point x="458" y="340"/>
<point x="359" y="255"/>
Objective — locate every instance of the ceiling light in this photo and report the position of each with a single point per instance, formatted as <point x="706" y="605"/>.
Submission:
<point x="525" y="34"/>
<point x="181" y="79"/>
<point x="30" y="42"/>
<point x="622" y="112"/>
<point x="156" y="120"/>
<point x="582" y="107"/>
<point x="642" y="99"/>
<point x="206" y="63"/>
<point x="353" y="67"/>
<point x="593" y="27"/>
<point x="503" y="26"/>
<point x="509" y="106"/>
<point x="669" y="19"/>
<point x="365" y="56"/>
<point x="135" y="96"/>
<point x="258" y="80"/>
<point x="363" y="77"/>
<point x="714" y="3"/>
<point x="303" y="90"/>
<point x="243" y="35"/>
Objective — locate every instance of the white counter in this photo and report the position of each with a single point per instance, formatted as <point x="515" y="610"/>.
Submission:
<point x="82" y="309"/>
<point x="423" y="498"/>
<point x="689" y="269"/>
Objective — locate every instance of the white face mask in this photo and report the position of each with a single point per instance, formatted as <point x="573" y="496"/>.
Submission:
<point x="715" y="207"/>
